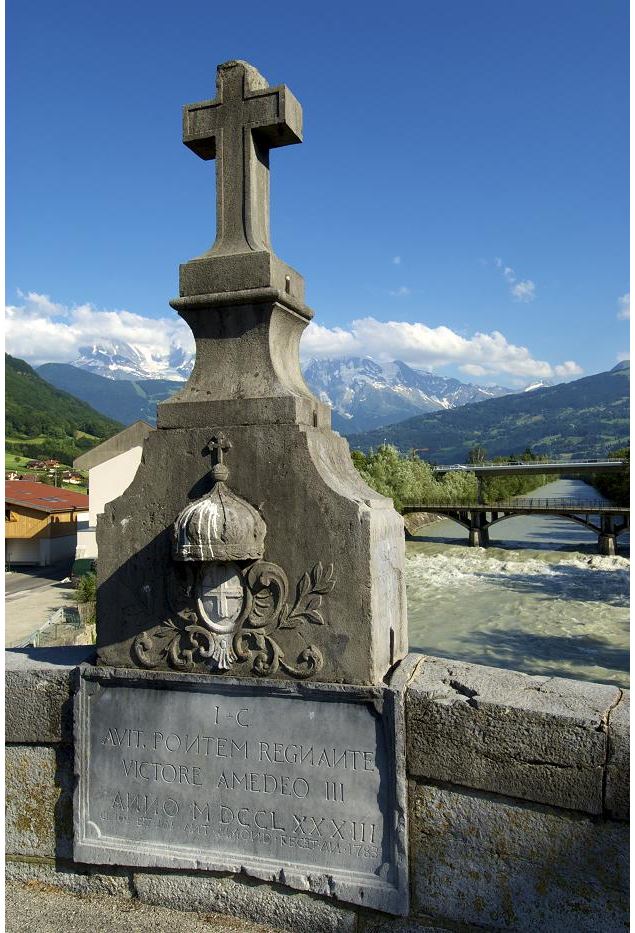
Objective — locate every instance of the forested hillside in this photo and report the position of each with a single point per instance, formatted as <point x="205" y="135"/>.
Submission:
<point x="126" y="399"/>
<point x="585" y="418"/>
<point x="41" y="421"/>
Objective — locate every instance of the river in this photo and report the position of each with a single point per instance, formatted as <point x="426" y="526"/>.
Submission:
<point x="539" y="599"/>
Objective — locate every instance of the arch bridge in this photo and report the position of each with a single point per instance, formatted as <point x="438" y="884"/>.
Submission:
<point x="606" y="521"/>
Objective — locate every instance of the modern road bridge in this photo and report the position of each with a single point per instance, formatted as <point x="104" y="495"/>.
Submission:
<point x="606" y="521"/>
<point x="520" y="467"/>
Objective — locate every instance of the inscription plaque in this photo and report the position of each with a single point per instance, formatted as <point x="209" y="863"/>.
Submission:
<point x="302" y="784"/>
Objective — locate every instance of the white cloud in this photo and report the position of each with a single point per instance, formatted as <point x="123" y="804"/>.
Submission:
<point x="431" y="347"/>
<point x="519" y="289"/>
<point x="524" y="291"/>
<point x="401" y="292"/>
<point x="396" y="260"/>
<point x="624" y="302"/>
<point x="41" y="331"/>
<point x="623" y="356"/>
<point x="567" y="370"/>
<point x="473" y="369"/>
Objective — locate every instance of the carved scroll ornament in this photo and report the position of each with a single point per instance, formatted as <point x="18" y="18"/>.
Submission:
<point x="260" y="637"/>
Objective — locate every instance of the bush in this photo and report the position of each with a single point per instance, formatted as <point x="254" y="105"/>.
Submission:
<point x="86" y="591"/>
<point x="408" y="478"/>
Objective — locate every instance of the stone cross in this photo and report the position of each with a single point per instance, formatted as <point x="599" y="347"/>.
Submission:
<point x="238" y="128"/>
<point x="221" y="444"/>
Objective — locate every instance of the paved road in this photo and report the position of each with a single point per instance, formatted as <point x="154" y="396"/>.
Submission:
<point x="32" y="578"/>
<point x="39" y="908"/>
<point x="31" y="597"/>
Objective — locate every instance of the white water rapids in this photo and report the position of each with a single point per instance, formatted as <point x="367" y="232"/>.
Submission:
<point x="540" y="599"/>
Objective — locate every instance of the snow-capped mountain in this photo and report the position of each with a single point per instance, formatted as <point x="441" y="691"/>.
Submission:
<point x="125" y="361"/>
<point x="363" y="392"/>
<point x="537" y="385"/>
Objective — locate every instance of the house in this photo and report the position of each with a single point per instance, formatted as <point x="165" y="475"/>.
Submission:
<point x="40" y="522"/>
<point x="111" y="468"/>
<point x="72" y="478"/>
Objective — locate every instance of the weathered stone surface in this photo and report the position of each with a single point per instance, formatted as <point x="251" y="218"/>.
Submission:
<point x="41" y="909"/>
<point x="504" y="865"/>
<point x="247" y="313"/>
<point x="242" y="897"/>
<point x="318" y="513"/>
<point x="199" y="414"/>
<point x="39" y="812"/>
<point x="69" y="877"/>
<point x="298" y="784"/>
<point x="38" y="703"/>
<point x="618" y="765"/>
<point x="238" y="128"/>
<point x="412" y="925"/>
<point x="538" y="738"/>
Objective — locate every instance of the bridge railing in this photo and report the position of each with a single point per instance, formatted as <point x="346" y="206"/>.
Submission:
<point x="568" y="503"/>
<point x="448" y="467"/>
<point x="562" y="502"/>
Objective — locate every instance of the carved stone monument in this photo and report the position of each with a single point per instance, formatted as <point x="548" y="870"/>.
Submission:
<point x="279" y="561"/>
<point x="219" y="581"/>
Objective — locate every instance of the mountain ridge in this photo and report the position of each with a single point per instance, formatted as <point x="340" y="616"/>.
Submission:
<point x="129" y="400"/>
<point x="362" y="392"/>
<point x="366" y="394"/>
<point x="587" y="417"/>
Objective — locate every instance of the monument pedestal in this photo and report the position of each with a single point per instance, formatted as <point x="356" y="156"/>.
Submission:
<point x="249" y="610"/>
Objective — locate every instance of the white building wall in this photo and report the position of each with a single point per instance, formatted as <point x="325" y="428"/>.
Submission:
<point x="106" y="481"/>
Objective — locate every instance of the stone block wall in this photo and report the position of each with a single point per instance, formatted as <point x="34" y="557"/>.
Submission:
<point x="518" y="801"/>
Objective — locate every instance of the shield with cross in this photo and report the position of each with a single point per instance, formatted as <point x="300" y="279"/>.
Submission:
<point x="221" y="596"/>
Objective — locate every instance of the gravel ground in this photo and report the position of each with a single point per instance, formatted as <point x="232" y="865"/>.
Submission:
<point x="38" y="908"/>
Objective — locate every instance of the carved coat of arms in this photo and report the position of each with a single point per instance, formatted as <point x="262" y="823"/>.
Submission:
<point x="228" y="605"/>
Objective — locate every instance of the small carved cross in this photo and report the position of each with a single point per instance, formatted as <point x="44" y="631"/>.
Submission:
<point x="221" y="444"/>
<point x="228" y="589"/>
<point x="238" y="128"/>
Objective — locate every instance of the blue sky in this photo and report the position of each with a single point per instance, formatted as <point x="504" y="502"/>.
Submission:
<point x="460" y="199"/>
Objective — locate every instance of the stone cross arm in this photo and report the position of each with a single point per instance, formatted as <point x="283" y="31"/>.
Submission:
<point x="237" y="128"/>
<point x="244" y="99"/>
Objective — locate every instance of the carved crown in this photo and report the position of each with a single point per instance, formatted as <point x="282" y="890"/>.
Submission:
<point x="221" y="526"/>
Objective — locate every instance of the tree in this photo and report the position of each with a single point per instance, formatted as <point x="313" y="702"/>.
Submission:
<point x="477" y="454"/>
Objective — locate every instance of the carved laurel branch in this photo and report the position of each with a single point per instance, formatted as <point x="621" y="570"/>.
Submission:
<point x="183" y="643"/>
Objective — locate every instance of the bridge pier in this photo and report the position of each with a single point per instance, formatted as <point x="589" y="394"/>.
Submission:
<point x="478" y="533"/>
<point x="607" y="545"/>
<point x="607" y="537"/>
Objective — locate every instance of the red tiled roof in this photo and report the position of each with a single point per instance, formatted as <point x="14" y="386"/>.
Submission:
<point x="43" y="497"/>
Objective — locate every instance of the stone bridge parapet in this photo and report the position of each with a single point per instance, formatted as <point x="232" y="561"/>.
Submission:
<point x="518" y="806"/>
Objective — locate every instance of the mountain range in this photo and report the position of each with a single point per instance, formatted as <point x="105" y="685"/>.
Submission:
<point x="365" y="394"/>
<point x="587" y="418"/>
<point x="121" y="360"/>
<point x="123" y="382"/>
